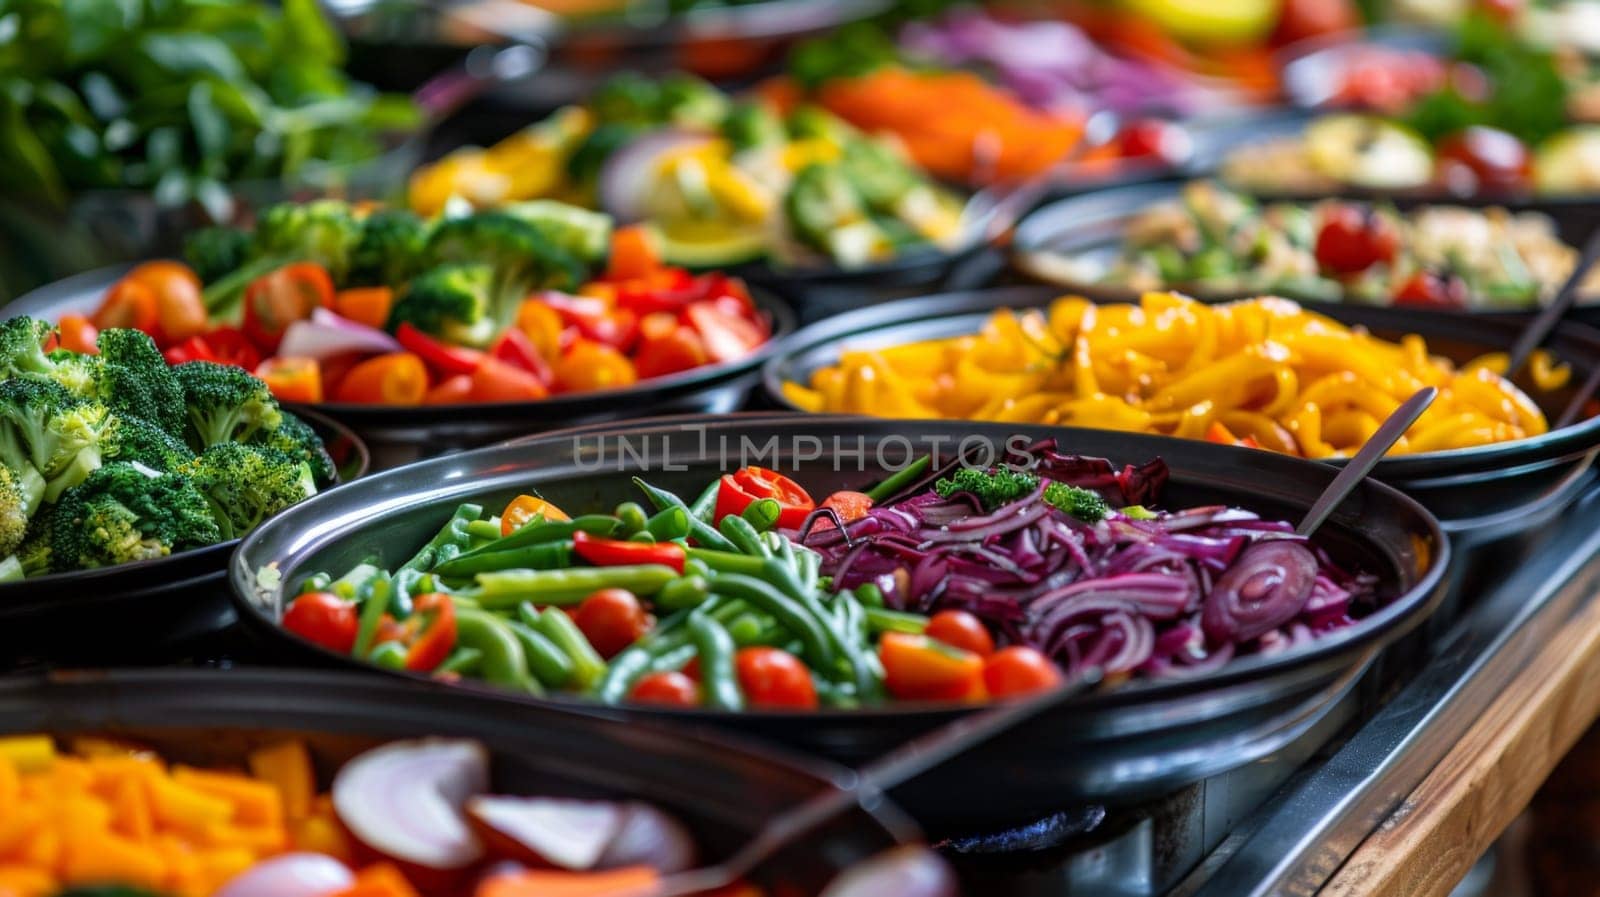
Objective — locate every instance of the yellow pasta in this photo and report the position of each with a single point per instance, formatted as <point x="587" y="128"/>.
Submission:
<point x="1264" y="371"/>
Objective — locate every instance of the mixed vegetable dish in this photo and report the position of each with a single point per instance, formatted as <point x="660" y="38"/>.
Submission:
<point x="1265" y="373"/>
<point x="1217" y="243"/>
<point x="957" y="584"/>
<point x="404" y="819"/>
<point x="109" y="456"/>
<point x="329" y="302"/>
<point x="719" y="181"/>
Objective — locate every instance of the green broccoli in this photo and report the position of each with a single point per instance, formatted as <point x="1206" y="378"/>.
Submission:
<point x="136" y="439"/>
<point x="522" y="256"/>
<point x="750" y="125"/>
<point x="20" y="494"/>
<point x="809" y="122"/>
<point x="246" y="484"/>
<point x="879" y="174"/>
<point x="583" y="234"/>
<point x="59" y="435"/>
<point x="992" y="488"/>
<point x="690" y="101"/>
<point x="451" y="302"/>
<point x="124" y="512"/>
<point x="324" y="231"/>
<point x="225" y="404"/>
<point x="1085" y="504"/>
<point x="627" y="98"/>
<point x="296" y="438"/>
<point x="215" y="251"/>
<point x="135" y="381"/>
<point x="391" y="248"/>
<point x="22" y="352"/>
<point x="78" y="372"/>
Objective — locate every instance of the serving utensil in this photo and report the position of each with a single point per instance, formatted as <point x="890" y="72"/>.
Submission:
<point x="1539" y="328"/>
<point x="1361" y="463"/>
<point x="869" y="782"/>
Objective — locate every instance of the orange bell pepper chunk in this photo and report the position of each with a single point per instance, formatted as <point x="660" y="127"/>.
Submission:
<point x="632" y="881"/>
<point x="633" y="254"/>
<point x="524" y="508"/>
<point x="919" y="668"/>
<point x="365" y="305"/>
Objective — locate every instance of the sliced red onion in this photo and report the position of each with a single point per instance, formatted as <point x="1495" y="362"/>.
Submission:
<point x="327" y="334"/>
<point x="908" y="871"/>
<point x="1265" y="588"/>
<point x="290" y="875"/>
<point x="405" y="800"/>
<point x="650" y="837"/>
<point x="568" y="834"/>
<point x="626" y="177"/>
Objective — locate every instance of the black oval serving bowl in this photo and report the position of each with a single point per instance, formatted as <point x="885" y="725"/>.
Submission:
<point x="1471" y="489"/>
<point x="723" y="790"/>
<point x="1119" y="745"/>
<point x="132" y="612"/>
<point x="400" y="434"/>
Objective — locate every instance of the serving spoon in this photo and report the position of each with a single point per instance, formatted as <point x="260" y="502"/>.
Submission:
<point x="1361" y="463"/>
<point x="866" y="785"/>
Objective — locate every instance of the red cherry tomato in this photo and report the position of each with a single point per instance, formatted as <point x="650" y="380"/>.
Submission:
<point x="959" y="629"/>
<point x="612" y="619"/>
<point x="1154" y="138"/>
<point x="771" y="677"/>
<point x="1352" y="239"/>
<point x="323" y="618"/>
<point x="667" y="688"/>
<point x="1019" y="670"/>
<point x="1484" y="158"/>
<point x="1429" y="290"/>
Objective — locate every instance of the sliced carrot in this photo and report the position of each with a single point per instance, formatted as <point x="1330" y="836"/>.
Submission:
<point x="450" y="391"/>
<point x="633" y="881"/>
<point x="398" y="378"/>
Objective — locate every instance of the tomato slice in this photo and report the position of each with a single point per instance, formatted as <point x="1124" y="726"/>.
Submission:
<point x="276" y="300"/>
<point x="739" y="489"/>
<point x="323" y="618"/>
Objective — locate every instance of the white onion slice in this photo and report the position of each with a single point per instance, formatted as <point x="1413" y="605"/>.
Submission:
<point x="405" y="799"/>
<point x="327" y="334"/>
<point x="290" y="875"/>
<point x="568" y="834"/>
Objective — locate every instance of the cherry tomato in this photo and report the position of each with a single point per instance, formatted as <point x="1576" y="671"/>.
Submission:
<point x="587" y="366"/>
<point x="771" y="677"/>
<point x="276" y="300"/>
<point x="612" y="619"/>
<point x="398" y="378"/>
<point x="1352" y="239"/>
<point x="918" y="668"/>
<point x="1484" y="158"/>
<point x="292" y="379"/>
<point x="1299" y="20"/>
<point x="323" y="618"/>
<point x="666" y="688"/>
<point x="1019" y="670"/>
<point x="129" y="304"/>
<point x="1154" y="138"/>
<point x="524" y="508"/>
<point x="959" y="629"/>
<point x="180" y="310"/>
<point x="78" y="334"/>
<point x="680" y="349"/>
<point x="1430" y="290"/>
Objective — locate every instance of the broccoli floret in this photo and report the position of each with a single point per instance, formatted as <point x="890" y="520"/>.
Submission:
<point x="22" y="348"/>
<point x="296" y="438"/>
<point x="451" y="302"/>
<point x="627" y="98"/>
<point x="135" y="381"/>
<point x="35" y="552"/>
<point x="58" y="434"/>
<point x="583" y="234"/>
<point x="752" y="124"/>
<point x="391" y="248"/>
<point x="215" y="251"/>
<point x="827" y="213"/>
<point x="1085" y="504"/>
<point x="20" y="494"/>
<point x="685" y="99"/>
<point x="522" y="256"/>
<point x="77" y="372"/>
<point x="225" y="404"/>
<point x="324" y="231"/>
<point x="246" y="484"/>
<point x="138" y="440"/>
<point x="808" y="122"/>
<point x="124" y="512"/>
<point x="992" y="488"/>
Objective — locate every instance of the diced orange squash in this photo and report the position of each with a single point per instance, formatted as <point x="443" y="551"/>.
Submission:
<point x="100" y="857"/>
<point x="321" y="834"/>
<point x="29" y="753"/>
<point x="26" y="881"/>
<point x="186" y="809"/>
<point x="253" y="802"/>
<point x="287" y="765"/>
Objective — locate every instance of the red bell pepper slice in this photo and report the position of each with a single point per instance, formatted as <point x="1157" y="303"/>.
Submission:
<point x="274" y="301"/>
<point x="229" y="345"/>
<point x="738" y="490"/>
<point x="516" y="349"/>
<point x="617" y="553"/>
<point x="444" y="359"/>
<point x="594" y="319"/>
<point x="727" y="336"/>
<point x="429" y="634"/>
<point x="195" y="348"/>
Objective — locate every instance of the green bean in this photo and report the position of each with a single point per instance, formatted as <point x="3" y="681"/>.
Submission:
<point x="504" y="662"/>
<point x="869" y="595"/>
<point x="374" y="604"/>
<point x="726" y="561"/>
<point x="683" y="592"/>
<point x="672" y="523"/>
<point x="624" y="671"/>
<point x="881" y="619"/>
<point x="588" y="667"/>
<point x="747" y="629"/>
<point x="899" y="479"/>
<point x="535" y="532"/>
<point x="845" y="645"/>
<point x="465" y="661"/>
<point x="389" y="655"/>
<point x="762" y="514"/>
<point x="813" y="633"/>
<point x="543" y="556"/>
<point x="864" y="663"/>
<point x="715" y="647"/>
<point x="673" y="660"/>
<point x="632" y="516"/>
<point x="743" y="536"/>
<point x="693" y="566"/>
<point x="785" y="552"/>
<point x="546" y="662"/>
<point x="835" y="694"/>
<point x="407" y="584"/>
<point x="453" y="532"/>
<point x="507" y="588"/>
<point x="316" y="582"/>
<point x="349" y="586"/>
<point x="699" y="530"/>
<point x="704" y="507"/>
<point x="486" y="530"/>
<point x="809" y="564"/>
<point x="643" y="536"/>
